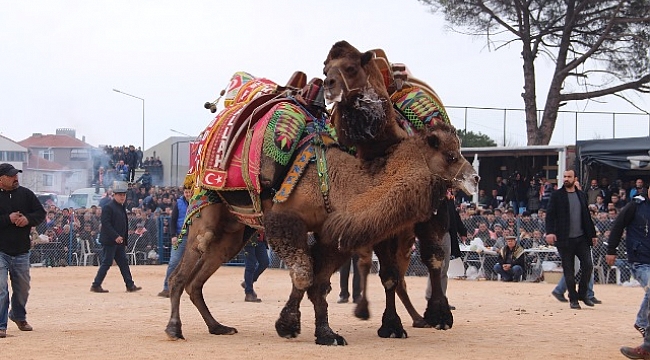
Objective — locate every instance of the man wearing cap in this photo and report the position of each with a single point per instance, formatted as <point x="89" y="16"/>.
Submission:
<point x="511" y="263"/>
<point x="113" y="237"/>
<point x="20" y="210"/>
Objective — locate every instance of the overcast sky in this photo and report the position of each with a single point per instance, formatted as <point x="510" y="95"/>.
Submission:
<point x="60" y="60"/>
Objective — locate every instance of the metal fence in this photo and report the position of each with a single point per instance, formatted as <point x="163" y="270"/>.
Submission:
<point x="74" y="240"/>
<point x="507" y="127"/>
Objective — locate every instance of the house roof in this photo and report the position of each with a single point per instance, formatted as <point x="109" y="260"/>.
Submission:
<point x="53" y="141"/>
<point x="7" y="144"/>
<point x="38" y="163"/>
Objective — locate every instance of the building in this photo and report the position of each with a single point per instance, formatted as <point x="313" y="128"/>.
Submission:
<point x="12" y="153"/>
<point x="57" y="163"/>
<point x="174" y="153"/>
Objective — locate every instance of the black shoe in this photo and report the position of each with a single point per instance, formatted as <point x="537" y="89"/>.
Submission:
<point x="133" y="288"/>
<point x="575" y="305"/>
<point x="342" y="300"/>
<point x="98" y="289"/>
<point x="640" y="329"/>
<point x="588" y="302"/>
<point x="559" y="297"/>
<point x="595" y="301"/>
<point x="452" y="307"/>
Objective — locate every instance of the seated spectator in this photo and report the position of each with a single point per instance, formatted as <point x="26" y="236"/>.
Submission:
<point x="511" y="263"/>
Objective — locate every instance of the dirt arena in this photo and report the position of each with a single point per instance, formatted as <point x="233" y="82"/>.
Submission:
<point x="493" y="320"/>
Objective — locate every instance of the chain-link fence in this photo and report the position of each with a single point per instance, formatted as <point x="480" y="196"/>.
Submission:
<point x="530" y="231"/>
<point x="72" y="238"/>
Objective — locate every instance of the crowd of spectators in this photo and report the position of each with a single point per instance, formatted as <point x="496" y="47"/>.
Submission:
<point x="517" y="207"/>
<point x="59" y="239"/>
<point x="121" y="162"/>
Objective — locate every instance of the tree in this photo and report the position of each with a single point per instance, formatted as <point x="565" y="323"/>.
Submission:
<point x="599" y="47"/>
<point x="470" y="139"/>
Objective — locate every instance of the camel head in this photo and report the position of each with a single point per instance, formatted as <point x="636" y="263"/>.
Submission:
<point x="351" y="75"/>
<point x="363" y="111"/>
<point x="445" y="160"/>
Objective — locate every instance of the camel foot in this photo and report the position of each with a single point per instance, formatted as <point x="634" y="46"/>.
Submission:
<point x="438" y="314"/>
<point x="222" y="330"/>
<point x="420" y="323"/>
<point x="174" y="332"/>
<point x="288" y="325"/>
<point x="391" y="327"/>
<point x="361" y="311"/>
<point x="329" y="337"/>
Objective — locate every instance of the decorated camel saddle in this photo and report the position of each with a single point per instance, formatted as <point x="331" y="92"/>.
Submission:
<point x="415" y="101"/>
<point x="259" y="118"/>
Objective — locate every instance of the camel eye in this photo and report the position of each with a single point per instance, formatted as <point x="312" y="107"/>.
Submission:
<point x="451" y="157"/>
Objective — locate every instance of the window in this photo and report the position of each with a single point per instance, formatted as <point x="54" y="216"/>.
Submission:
<point x="79" y="154"/>
<point x="47" y="154"/>
<point x="47" y="180"/>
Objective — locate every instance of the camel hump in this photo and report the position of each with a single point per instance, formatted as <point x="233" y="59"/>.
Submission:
<point x="419" y="106"/>
<point x="244" y="87"/>
<point x="297" y="81"/>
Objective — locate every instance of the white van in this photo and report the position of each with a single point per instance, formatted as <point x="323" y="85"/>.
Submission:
<point x="85" y="197"/>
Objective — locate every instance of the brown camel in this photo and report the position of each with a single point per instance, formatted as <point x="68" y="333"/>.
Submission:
<point x="215" y="234"/>
<point x="364" y="118"/>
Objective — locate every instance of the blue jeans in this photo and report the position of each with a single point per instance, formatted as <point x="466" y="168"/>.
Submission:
<point x="641" y="272"/>
<point x="117" y="252"/>
<point x="15" y="268"/>
<point x="256" y="261"/>
<point x="514" y="274"/>
<point x="174" y="259"/>
<point x="561" y="287"/>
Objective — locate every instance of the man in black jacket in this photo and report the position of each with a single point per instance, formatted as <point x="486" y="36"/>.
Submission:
<point x="450" y="244"/>
<point x="635" y="220"/>
<point x="113" y="237"/>
<point x="20" y="210"/>
<point x="569" y="227"/>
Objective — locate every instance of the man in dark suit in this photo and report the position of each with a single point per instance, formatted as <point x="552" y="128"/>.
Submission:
<point x="569" y="227"/>
<point x="113" y="237"/>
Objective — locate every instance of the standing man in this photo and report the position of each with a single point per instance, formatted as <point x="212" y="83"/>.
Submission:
<point x="175" y="226"/>
<point x="256" y="261"/>
<point x="20" y="210"/>
<point x="569" y="227"/>
<point x="344" y="280"/>
<point x="450" y="244"/>
<point x="634" y="219"/>
<point x="113" y="237"/>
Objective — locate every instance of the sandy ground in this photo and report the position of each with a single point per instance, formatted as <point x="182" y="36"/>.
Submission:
<point x="493" y="320"/>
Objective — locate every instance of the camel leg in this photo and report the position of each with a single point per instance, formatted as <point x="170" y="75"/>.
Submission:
<point x="199" y="262"/>
<point x="404" y="245"/>
<point x="288" y="324"/>
<point x="325" y="264"/>
<point x="391" y="324"/>
<point x="286" y="233"/>
<point x="430" y="235"/>
<point x="217" y="253"/>
<point x="364" y="264"/>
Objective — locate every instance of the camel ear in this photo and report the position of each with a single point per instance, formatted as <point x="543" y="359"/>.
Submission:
<point x="367" y="57"/>
<point x="434" y="141"/>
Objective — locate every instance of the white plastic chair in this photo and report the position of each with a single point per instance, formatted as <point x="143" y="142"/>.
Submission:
<point x="87" y="252"/>
<point x="133" y="254"/>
